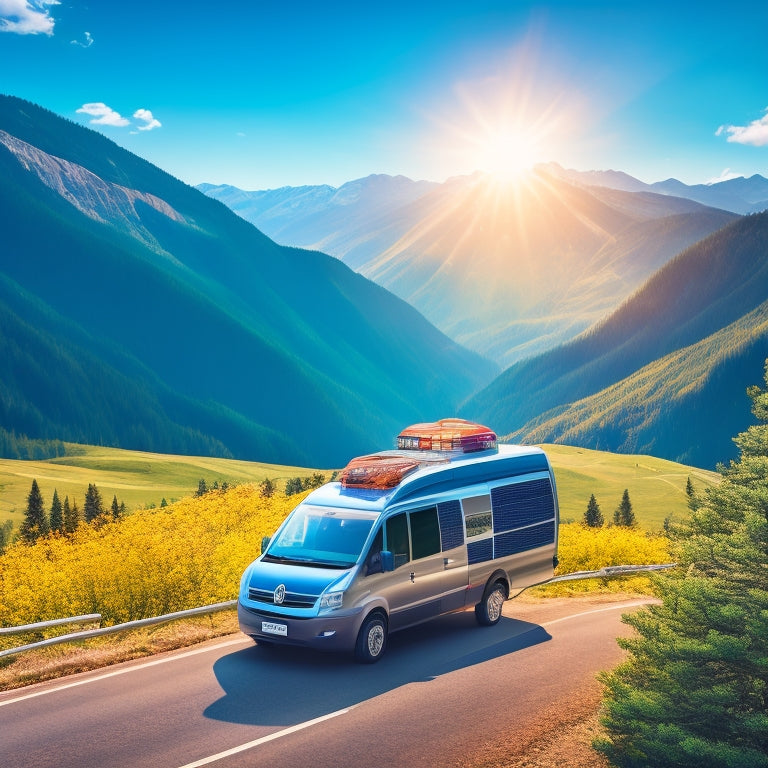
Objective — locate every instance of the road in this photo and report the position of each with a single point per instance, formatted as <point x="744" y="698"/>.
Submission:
<point x="443" y="691"/>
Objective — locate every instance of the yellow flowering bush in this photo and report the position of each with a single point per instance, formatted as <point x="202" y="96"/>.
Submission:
<point x="193" y="553"/>
<point x="582" y="548"/>
<point x="152" y="562"/>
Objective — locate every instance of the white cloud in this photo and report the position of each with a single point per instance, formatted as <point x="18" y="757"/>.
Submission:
<point x="102" y="114"/>
<point x="149" y="120"/>
<point x="756" y="133"/>
<point x="86" y="42"/>
<point x="27" y="17"/>
<point x="726" y="175"/>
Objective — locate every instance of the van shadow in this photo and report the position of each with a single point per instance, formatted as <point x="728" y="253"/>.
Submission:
<point x="283" y="685"/>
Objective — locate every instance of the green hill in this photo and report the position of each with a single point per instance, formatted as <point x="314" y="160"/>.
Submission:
<point x="656" y="486"/>
<point x="142" y="314"/>
<point x="694" y="334"/>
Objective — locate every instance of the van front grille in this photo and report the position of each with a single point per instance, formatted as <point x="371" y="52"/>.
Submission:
<point x="292" y="599"/>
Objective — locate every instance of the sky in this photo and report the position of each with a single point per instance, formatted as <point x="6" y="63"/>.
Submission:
<point x="262" y="94"/>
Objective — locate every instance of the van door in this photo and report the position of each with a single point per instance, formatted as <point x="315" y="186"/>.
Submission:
<point x="424" y="586"/>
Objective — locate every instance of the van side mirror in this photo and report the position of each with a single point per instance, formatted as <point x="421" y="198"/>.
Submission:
<point x="387" y="561"/>
<point x="264" y="544"/>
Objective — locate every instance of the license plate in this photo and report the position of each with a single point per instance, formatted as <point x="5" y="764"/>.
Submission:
<point x="271" y="628"/>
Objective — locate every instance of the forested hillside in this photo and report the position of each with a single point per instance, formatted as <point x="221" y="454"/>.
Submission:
<point x="140" y="313"/>
<point x="693" y="335"/>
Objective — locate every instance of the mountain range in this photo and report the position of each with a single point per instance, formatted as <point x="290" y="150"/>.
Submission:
<point x="666" y="373"/>
<point x="738" y="195"/>
<point x="507" y="271"/>
<point x="628" y="316"/>
<point x="136" y="311"/>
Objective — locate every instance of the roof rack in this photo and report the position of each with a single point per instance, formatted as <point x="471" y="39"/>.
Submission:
<point x="419" y="445"/>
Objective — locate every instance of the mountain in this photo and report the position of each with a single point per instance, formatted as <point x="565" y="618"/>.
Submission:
<point x="507" y="271"/>
<point x="139" y="312"/>
<point x="666" y="372"/>
<point x="739" y="195"/>
<point x="343" y="221"/>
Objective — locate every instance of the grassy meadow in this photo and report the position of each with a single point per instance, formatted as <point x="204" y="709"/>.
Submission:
<point x="136" y="478"/>
<point x="656" y="486"/>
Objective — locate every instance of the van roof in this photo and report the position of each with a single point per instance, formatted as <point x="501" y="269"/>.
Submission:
<point x="456" y="471"/>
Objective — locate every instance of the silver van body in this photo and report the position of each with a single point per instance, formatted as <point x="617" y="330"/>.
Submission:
<point x="350" y="565"/>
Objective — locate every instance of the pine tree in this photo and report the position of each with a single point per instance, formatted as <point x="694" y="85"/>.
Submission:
<point x="694" y="690"/>
<point x="267" y="488"/>
<point x="35" y="523"/>
<point x="115" y="508"/>
<point x="593" y="517"/>
<point x="71" y="516"/>
<point x="690" y="492"/>
<point x="6" y="530"/>
<point x="202" y="488"/>
<point x="57" y="513"/>
<point x="623" y="514"/>
<point x="93" y="504"/>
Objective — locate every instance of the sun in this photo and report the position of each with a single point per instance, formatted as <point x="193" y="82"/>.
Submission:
<point x="507" y="154"/>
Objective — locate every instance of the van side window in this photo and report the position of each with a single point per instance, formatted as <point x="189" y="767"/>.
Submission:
<point x="425" y="532"/>
<point x="373" y="558"/>
<point x="477" y="513"/>
<point x="397" y="539"/>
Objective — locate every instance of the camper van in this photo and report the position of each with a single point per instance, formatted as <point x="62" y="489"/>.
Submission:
<point x="448" y="521"/>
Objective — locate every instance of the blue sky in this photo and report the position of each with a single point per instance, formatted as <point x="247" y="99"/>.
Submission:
<point x="265" y="94"/>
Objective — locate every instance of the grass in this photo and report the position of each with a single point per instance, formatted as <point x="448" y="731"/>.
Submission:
<point x="656" y="486"/>
<point x="136" y="478"/>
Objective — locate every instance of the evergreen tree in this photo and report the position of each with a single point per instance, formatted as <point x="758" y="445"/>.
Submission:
<point x="593" y="517"/>
<point x="623" y="514"/>
<point x="57" y="513"/>
<point x="163" y="503"/>
<point x="115" y="508"/>
<point x="93" y="505"/>
<point x="202" y="488"/>
<point x="6" y="530"/>
<point x="694" y="690"/>
<point x="690" y="492"/>
<point x="71" y="515"/>
<point x="35" y="523"/>
<point x="267" y="488"/>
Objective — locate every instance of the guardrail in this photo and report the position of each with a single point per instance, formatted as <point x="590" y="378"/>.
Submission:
<point x="607" y="572"/>
<point x="88" y="633"/>
<point x="86" y="619"/>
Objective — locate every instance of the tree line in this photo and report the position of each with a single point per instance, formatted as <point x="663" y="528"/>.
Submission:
<point x="64" y="517"/>
<point x="623" y="515"/>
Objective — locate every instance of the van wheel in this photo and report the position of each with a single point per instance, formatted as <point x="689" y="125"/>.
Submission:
<point x="372" y="639"/>
<point x="488" y="610"/>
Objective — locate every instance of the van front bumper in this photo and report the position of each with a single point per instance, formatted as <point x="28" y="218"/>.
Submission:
<point x="335" y="631"/>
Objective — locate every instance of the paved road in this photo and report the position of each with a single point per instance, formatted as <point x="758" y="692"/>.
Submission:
<point x="442" y="691"/>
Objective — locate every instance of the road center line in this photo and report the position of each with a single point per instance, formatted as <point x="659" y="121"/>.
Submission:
<point x="264" y="739"/>
<point x="597" y="610"/>
<point x="125" y="670"/>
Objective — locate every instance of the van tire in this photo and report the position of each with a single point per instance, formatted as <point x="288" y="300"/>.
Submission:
<point x="371" y="639"/>
<point x="488" y="610"/>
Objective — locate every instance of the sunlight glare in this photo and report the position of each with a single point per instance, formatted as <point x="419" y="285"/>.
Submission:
<point x="507" y="154"/>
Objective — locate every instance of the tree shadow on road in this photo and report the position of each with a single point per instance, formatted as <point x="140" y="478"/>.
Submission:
<point x="286" y="685"/>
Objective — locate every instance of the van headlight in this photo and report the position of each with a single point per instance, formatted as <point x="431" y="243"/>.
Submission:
<point x="331" y="600"/>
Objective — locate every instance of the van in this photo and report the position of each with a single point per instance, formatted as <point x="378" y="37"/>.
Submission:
<point x="448" y="521"/>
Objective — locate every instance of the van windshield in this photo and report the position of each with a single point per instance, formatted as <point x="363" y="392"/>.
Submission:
<point x="321" y="537"/>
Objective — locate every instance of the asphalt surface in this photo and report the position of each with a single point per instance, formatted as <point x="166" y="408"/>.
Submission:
<point x="443" y="691"/>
